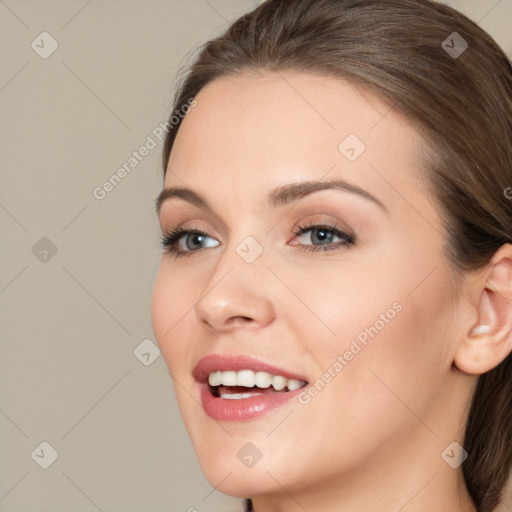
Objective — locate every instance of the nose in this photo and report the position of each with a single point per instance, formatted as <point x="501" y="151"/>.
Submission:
<point x="235" y="297"/>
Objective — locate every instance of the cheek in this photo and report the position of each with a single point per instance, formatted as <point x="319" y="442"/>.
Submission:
<point x="394" y="358"/>
<point x="172" y="303"/>
<point x="333" y="306"/>
<point x="396" y="302"/>
<point x="375" y="341"/>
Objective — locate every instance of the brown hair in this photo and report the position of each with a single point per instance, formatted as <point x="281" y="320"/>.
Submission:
<point x="462" y="105"/>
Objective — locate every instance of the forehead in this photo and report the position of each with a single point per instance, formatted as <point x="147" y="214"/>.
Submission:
<point x="253" y="132"/>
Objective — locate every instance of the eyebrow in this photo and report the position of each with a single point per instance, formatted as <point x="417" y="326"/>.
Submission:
<point x="280" y="196"/>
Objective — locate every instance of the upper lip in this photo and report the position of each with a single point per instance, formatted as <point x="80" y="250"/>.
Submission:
<point x="218" y="362"/>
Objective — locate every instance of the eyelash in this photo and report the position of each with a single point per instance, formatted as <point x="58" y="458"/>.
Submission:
<point x="347" y="240"/>
<point x="170" y="240"/>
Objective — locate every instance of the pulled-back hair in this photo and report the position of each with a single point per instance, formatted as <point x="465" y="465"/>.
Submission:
<point x="399" y="51"/>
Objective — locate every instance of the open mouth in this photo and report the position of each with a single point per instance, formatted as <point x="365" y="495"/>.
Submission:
<point x="231" y="385"/>
<point x="238" y="387"/>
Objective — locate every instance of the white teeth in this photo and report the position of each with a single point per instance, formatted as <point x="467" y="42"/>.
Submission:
<point x="237" y="396"/>
<point x="246" y="378"/>
<point x="215" y="379"/>
<point x="249" y="379"/>
<point x="263" y="380"/>
<point x="229" y="378"/>
<point x="293" y="384"/>
<point x="279" y="382"/>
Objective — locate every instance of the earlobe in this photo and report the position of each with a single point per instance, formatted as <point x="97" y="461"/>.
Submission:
<point x="489" y="341"/>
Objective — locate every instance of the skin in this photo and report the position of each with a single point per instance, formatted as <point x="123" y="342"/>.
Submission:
<point x="372" y="439"/>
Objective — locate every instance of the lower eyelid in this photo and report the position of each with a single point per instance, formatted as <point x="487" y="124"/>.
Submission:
<point x="324" y="247"/>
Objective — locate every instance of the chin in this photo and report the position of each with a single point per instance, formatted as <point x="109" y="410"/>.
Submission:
<point x="241" y="483"/>
<point x="239" y="467"/>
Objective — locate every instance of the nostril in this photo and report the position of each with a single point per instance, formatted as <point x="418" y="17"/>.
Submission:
<point x="206" y="323"/>
<point x="240" y="319"/>
<point x="232" y="321"/>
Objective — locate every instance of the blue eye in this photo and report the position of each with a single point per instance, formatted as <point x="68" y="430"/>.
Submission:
<point x="323" y="237"/>
<point x="185" y="241"/>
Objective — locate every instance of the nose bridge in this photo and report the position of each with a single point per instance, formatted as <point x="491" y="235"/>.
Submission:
<point x="235" y="288"/>
<point x="244" y="259"/>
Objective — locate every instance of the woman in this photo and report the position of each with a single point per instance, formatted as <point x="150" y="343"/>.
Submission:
<point x="334" y="300"/>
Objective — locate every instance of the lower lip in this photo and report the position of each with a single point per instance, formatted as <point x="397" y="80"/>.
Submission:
<point x="225" y="409"/>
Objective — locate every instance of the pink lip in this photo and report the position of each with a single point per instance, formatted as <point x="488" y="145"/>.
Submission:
<point x="222" y="409"/>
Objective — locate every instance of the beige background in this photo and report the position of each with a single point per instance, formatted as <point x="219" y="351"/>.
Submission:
<point x="70" y="323"/>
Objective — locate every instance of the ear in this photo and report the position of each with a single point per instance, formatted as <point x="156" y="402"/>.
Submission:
<point x="489" y="341"/>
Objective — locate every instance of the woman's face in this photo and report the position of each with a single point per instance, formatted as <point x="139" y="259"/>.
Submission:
<point x="343" y="286"/>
